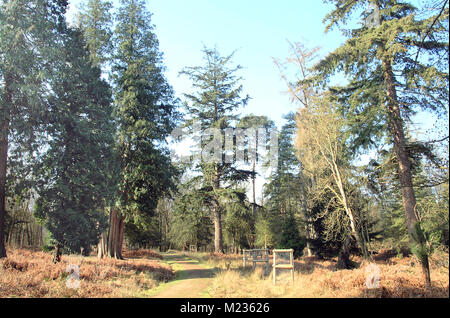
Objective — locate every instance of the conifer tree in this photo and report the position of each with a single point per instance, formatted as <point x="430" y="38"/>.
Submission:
<point x="29" y="41"/>
<point x="213" y="106"/>
<point x="284" y="196"/>
<point x="290" y="235"/>
<point x="145" y="114"/>
<point x="395" y="67"/>
<point x="191" y="222"/>
<point x="75" y="180"/>
<point x="95" y="19"/>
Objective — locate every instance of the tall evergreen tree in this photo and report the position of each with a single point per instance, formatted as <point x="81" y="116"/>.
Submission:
<point x="290" y="235"/>
<point x="283" y="188"/>
<point x="213" y="106"/>
<point x="261" y="126"/>
<point x="394" y="67"/>
<point x="145" y="111"/>
<point x="29" y="39"/>
<point x="191" y="222"/>
<point x="75" y="176"/>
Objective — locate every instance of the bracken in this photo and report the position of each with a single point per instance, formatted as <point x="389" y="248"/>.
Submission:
<point x="27" y="273"/>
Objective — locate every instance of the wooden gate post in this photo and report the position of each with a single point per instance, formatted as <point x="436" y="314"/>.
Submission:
<point x="274" y="268"/>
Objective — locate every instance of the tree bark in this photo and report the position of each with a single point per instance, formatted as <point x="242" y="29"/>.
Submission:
<point x="57" y="253"/>
<point x="344" y="255"/>
<point x="102" y="245"/>
<point x="114" y="246"/>
<point x="218" y="241"/>
<point x="4" y="133"/>
<point x="309" y="230"/>
<point x="405" y="175"/>
<point x="111" y="242"/>
<point x="119" y="247"/>
<point x="217" y="214"/>
<point x="254" y="185"/>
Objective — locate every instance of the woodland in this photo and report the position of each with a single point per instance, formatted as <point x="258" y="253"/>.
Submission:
<point x="87" y="166"/>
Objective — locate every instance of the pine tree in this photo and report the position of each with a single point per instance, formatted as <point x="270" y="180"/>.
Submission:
<point x="264" y="235"/>
<point x="432" y="207"/>
<point x="238" y="222"/>
<point x="395" y="67"/>
<point x="213" y="106"/>
<point x="290" y="235"/>
<point x="262" y="127"/>
<point x="191" y="224"/>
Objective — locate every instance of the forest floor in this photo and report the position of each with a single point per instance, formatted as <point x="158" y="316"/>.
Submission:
<point x="388" y="275"/>
<point x="148" y="274"/>
<point x="32" y="274"/>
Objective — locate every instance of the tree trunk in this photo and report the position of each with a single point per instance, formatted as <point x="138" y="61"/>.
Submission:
<point x="344" y="255"/>
<point x="120" y="238"/>
<point x="309" y="230"/>
<point x="102" y="245"/>
<point x="416" y="237"/>
<point x="110" y="244"/>
<point x="114" y="240"/>
<point x="356" y="231"/>
<point x="218" y="241"/>
<point x="29" y="242"/>
<point x="253" y="187"/>
<point x="253" y="218"/>
<point x="21" y="235"/>
<point x="57" y="253"/>
<point x="10" y="232"/>
<point x="217" y="214"/>
<point x="4" y="132"/>
<point x="41" y="236"/>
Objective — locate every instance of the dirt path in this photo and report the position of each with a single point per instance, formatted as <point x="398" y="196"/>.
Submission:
<point x="191" y="280"/>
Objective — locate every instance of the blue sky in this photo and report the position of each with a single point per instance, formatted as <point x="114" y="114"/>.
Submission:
<point x="258" y="30"/>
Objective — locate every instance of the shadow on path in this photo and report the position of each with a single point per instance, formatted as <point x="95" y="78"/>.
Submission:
<point x="191" y="281"/>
